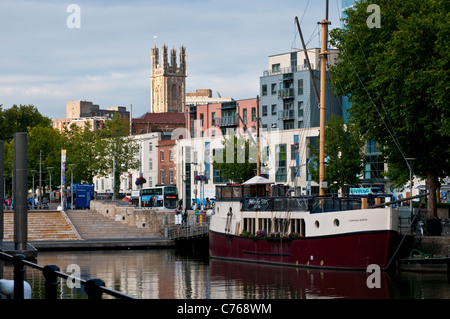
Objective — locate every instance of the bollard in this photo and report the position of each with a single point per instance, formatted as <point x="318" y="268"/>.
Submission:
<point x="51" y="281"/>
<point x="92" y="288"/>
<point x="19" y="271"/>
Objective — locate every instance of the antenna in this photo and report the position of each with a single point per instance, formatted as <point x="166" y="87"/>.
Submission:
<point x="154" y="40"/>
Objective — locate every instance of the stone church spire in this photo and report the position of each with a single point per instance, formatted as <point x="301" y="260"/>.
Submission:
<point x="168" y="80"/>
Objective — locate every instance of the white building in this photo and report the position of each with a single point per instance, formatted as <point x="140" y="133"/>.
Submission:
<point x="148" y="155"/>
<point x="285" y="154"/>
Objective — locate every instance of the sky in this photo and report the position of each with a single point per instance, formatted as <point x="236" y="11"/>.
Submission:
<point x="106" y="60"/>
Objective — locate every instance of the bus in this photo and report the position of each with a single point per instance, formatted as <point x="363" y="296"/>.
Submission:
<point x="160" y="197"/>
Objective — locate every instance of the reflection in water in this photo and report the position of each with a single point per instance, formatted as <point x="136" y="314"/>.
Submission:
<point x="172" y="274"/>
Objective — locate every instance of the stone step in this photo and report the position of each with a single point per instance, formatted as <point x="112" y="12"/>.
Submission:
<point x="53" y="226"/>
<point x="91" y="225"/>
<point x="41" y="227"/>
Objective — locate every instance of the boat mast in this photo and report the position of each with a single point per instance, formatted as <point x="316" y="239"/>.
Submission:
<point x="322" y="104"/>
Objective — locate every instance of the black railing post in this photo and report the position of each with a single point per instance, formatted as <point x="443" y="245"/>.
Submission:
<point x="92" y="288"/>
<point x="19" y="271"/>
<point x="51" y="281"/>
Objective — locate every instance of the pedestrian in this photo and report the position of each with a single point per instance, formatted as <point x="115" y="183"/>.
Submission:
<point x="185" y="216"/>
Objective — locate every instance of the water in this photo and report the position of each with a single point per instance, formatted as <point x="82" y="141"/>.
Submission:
<point x="174" y="274"/>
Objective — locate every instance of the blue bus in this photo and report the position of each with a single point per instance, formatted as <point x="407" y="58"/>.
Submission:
<point x="160" y="197"/>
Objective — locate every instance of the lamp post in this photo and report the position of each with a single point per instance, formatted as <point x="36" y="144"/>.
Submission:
<point x="33" y="172"/>
<point x="50" y="169"/>
<point x="71" y="166"/>
<point x="409" y="162"/>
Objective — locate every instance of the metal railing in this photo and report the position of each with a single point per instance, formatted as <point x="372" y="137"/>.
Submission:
<point x="186" y="231"/>
<point x="94" y="287"/>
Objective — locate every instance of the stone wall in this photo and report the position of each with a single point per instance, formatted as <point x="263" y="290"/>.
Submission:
<point x="437" y="245"/>
<point x="138" y="217"/>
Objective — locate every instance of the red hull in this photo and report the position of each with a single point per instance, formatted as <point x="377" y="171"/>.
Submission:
<point x="346" y="251"/>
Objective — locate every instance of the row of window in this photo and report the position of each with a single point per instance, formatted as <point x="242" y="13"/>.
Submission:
<point x="281" y="88"/>
<point x="228" y="114"/>
<point x="287" y="107"/>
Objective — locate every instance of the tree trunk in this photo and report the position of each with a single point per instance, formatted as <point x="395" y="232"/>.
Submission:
<point x="432" y="184"/>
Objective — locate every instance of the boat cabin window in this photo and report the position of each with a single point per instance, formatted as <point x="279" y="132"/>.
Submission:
<point x="249" y="225"/>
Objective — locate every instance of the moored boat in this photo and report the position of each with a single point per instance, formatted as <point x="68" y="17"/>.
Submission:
<point x="250" y="225"/>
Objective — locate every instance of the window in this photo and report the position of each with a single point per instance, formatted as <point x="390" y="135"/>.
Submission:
<point x="150" y="147"/>
<point x="150" y="164"/>
<point x="171" y="155"/>
<point x="218" y="178"/>
<point x="264" y="110"/>
<point x="213" y="118"/>
<point x="171" y="176"/>
<point x="162" y="176"/>
<point x="275" y="67"/>
<point x="201" y="119"/>
<point x="300" y="124"/>
<point x="245" y="115"/>
<point x="288" y="125"/>
<point x="253" y="114"/>
<point x="264" y="90"/>
<point x="274" y="109"/>
<point x="300" y="87"/>
<point x="162" y="155"/>
<point x="274" y="88"/>
<point x="280" y="153"/>
<point x="300" y="109"/>
<point x="150" y="182"/>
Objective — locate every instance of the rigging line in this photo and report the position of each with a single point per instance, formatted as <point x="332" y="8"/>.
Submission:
<point x="296" y="31"/>
<point x="376" y="108"/>
<point x="378" y="111"/>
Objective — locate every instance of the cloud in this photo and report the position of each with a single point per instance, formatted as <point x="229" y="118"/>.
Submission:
<point x="107" y="60"/>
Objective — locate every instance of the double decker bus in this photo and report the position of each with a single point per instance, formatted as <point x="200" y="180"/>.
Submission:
<point x="160" y="197"/>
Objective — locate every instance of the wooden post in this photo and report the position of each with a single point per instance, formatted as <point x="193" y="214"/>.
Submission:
<point x="364" y="203"/>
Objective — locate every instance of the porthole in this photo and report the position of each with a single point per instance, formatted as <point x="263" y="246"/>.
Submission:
<point x="317" y="224"/>
<point x="336" y="222"/>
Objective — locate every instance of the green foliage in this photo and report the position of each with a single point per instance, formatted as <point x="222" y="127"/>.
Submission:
<point x="79" y="143"/>
<point x="397" y="79"/>
<point x="20" y="119"/>
<point x="237" y="161"/>
<point x="113" y="146"/>
<point x="344" y="155"/>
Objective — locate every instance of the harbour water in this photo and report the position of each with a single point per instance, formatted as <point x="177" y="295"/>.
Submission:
<point x="175" y="274"/>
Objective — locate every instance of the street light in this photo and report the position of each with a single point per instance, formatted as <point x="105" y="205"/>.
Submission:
<point x="33" y="172"/>
<point x="71" y="166"/>
<point x="409" y="162"/>
<point x="50" y="169"/>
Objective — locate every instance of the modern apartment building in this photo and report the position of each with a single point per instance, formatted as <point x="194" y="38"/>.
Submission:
<point x="288" y="99"/>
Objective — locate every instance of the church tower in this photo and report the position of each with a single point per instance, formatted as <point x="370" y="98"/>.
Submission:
<point x="168" y="81"/>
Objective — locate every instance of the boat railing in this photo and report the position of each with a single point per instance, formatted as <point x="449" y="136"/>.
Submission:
<point x="301" y="203"/>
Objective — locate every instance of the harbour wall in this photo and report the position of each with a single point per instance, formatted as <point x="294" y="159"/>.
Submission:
<point x="151" y="219"/>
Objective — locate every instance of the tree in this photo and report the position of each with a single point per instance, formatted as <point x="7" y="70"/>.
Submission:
<point x="44" y="150"/>
<point x="23" y="118"/>
<point x="344" y="153"/>
<point x="80" y="146"/>
<point x="237" y="160"/>
<point x="20" y="119"/>
<point x="115" y="151"/>
<point x="397" y="78"/>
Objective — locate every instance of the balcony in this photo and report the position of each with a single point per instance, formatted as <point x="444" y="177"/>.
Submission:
<point x="286" y="115"/>
<point x="291" y="69"/>
<point x="225" y="121"/>
<point x="286" y="94"/>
